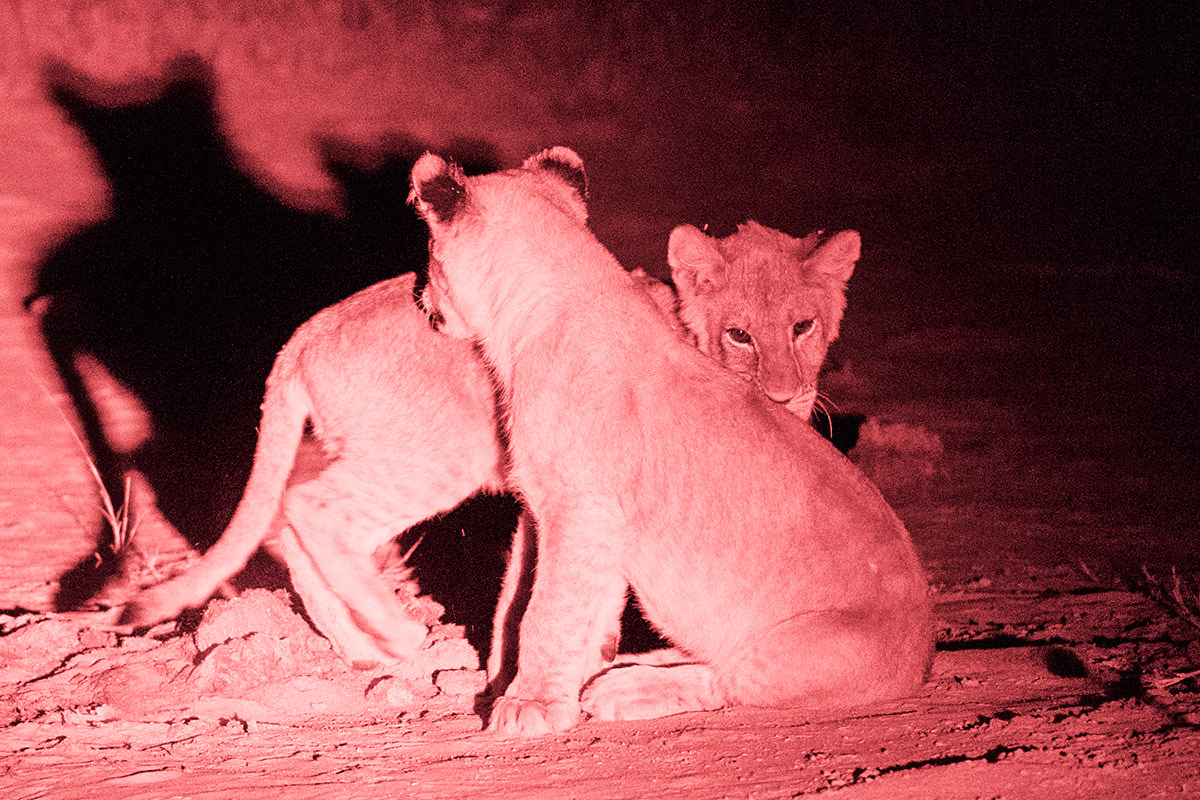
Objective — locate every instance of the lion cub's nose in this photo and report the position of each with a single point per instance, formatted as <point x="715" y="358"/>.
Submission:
<point x="783" y="393"/>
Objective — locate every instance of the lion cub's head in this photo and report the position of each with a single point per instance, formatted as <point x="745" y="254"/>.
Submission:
<point x="763" y="303"/>
<point x="489" y="234"/>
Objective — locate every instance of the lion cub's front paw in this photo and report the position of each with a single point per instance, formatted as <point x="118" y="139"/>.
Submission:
<point x="514" y="716"/>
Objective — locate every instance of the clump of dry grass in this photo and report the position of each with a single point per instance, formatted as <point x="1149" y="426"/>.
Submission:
<point x="122" y="524"/>
<point x="1179" y="594"/>
<point x="899" y="457"/>
<point x="129" y="565"/>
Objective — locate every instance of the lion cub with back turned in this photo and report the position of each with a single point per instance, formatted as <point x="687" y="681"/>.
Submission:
<point x="406" y="419"/>
<point x="749" y="540"/>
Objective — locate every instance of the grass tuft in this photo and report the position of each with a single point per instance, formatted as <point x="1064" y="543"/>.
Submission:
<point x="1179" y="594"/>
<point x="122" y="524"/>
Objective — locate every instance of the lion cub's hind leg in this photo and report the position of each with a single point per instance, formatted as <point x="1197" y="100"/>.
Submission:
<point x="820" y="660"/>
<point x="328" y="613"/>
<point x="340" y="521"/>
<point x="651" y="690"/>
<point x="833" y="659"/>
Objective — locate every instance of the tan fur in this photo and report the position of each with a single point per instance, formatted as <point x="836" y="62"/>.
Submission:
<point x="405" y="416"/>
<point x="765" y="304"/>
<point x="750" y="542"/>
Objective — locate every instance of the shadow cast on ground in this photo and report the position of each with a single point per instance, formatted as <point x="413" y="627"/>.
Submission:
<point x="198" y="275"/>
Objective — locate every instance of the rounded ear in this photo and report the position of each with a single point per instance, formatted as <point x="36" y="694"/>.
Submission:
<point x="662" y="294"/>
<point x="564" y="163"/>
<point x="697" y="265"/>
<point x="439" y="189"/>
<point x="837" y="257"/>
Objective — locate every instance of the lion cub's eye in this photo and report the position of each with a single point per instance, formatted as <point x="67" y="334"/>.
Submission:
<point x="801" y="328"/>
<point x="739" y="336"/>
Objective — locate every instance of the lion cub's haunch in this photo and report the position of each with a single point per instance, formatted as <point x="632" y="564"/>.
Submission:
<point x="749" y="540"/>
<point x="405" y="416"/>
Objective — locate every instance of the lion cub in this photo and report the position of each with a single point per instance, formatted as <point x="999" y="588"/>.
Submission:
<point x="749" y="540"/>
<point x="405" y="417"/>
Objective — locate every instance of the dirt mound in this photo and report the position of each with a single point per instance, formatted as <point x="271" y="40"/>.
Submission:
<point x="252" y="658"/>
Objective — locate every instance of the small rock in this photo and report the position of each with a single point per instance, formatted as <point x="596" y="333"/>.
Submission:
<point x="460" y="681"/>
<point x="255" y="611"/>
<point x="1193" y="652"/>
<point x="399" y="693"/>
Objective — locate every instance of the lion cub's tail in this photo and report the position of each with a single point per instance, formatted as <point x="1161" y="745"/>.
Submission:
<point x="286" y="407"/>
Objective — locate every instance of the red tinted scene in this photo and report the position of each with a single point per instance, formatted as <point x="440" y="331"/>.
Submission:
<point x="960" y="239"/>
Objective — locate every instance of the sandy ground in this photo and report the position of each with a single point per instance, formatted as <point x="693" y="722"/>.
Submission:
<point x="1028" y="428"/>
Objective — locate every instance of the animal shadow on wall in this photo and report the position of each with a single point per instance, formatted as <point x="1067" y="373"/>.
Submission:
<point x="188" y="289"/>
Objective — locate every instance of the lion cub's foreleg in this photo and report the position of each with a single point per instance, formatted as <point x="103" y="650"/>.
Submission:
<point x="577" y="597"/>
<point x="511" y="605"/>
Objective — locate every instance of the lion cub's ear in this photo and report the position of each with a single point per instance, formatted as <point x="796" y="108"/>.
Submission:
<point x="837" y="257"/>
<point x="565" y="164"/>
<point x="439" y="189"/>
<point x="565" y="167"/>
<point x="697" y="266"/>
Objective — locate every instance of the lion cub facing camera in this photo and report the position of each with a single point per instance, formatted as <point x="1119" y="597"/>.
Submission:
<point x="760" y="551"/>
<point x="765" y="304"/>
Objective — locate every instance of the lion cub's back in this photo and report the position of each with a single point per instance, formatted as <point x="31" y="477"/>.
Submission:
<point x="395" y="393"/>
<point x="759" y="488"/>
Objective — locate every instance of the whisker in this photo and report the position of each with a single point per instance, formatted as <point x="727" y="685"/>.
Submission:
<point x="826" y="401"/>
<point x="820" y="408"/>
